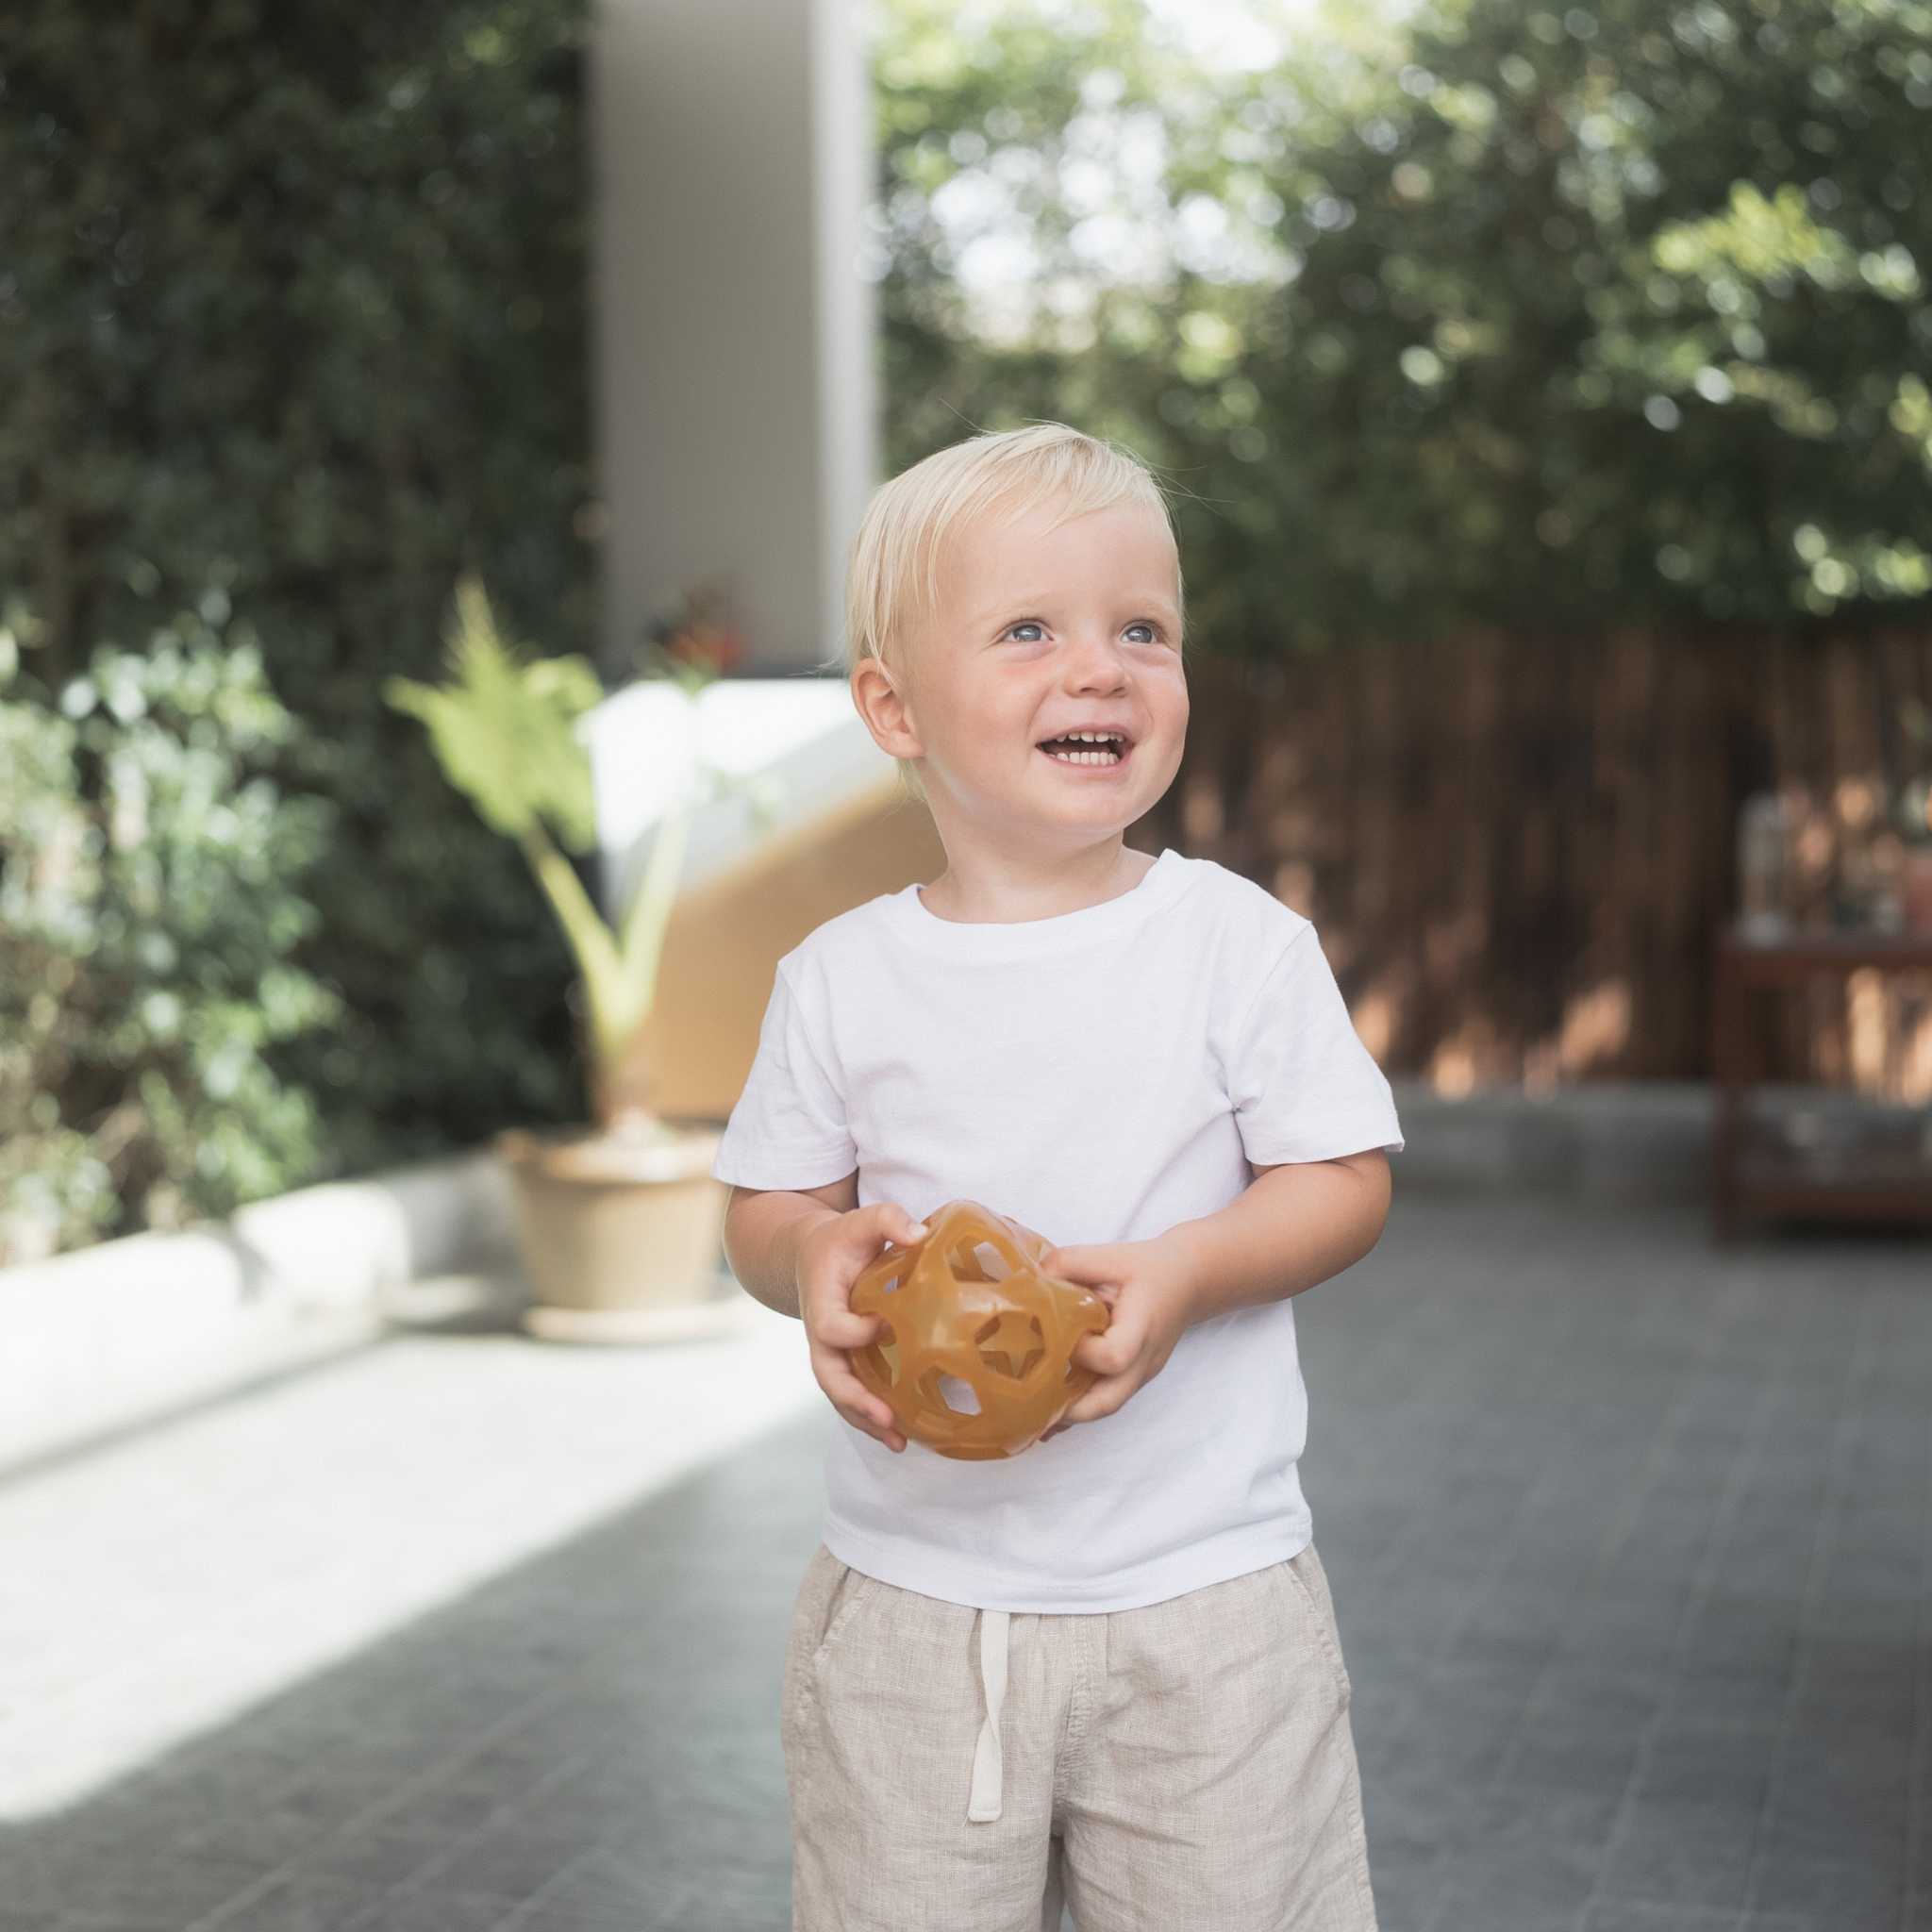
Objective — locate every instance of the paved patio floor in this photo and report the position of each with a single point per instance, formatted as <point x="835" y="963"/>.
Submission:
<point x="1630" y="1541"/>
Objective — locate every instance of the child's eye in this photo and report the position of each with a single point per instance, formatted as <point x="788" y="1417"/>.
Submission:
<point x="1154" y="631"/>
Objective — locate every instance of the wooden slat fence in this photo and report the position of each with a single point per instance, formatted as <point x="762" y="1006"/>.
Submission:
<point x="1518" y="851"/>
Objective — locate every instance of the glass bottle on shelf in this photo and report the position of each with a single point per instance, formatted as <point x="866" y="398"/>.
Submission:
<point x="1915" y="864"/>
<point x="1763" y="866"/>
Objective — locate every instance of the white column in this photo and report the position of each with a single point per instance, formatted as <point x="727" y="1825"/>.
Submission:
<point x="734" y="389"/>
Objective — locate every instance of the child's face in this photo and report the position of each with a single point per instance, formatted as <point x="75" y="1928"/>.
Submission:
<point x="1038" y="632"/>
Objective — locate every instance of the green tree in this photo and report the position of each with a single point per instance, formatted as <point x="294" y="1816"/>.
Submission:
<point x="291" y="305"/>
<point x="1513" y="316"/>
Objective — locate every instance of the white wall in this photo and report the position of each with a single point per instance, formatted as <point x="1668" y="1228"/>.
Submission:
<point x="734" y="375"/>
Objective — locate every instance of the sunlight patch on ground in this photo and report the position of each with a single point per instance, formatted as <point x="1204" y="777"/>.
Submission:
<point x="161" y="1586"/>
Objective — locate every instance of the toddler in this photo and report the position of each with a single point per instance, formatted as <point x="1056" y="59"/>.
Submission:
<point x="1104" y="1673"/>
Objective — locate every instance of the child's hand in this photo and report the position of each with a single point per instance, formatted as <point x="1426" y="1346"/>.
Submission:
<point x="1149" y="1294"/>
<point x="831" y="1257"/>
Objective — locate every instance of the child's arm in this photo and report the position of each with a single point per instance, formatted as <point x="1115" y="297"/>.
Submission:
<point x="1296" y="1224"/>
<point x="762" y="1229"/>
<point x="799" y="1250"/>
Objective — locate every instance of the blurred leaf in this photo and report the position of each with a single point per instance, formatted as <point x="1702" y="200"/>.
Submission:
<point x="505" y="731"/>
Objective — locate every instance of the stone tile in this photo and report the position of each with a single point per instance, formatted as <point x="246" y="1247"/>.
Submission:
<point x="1724" y="1763"/>
<point x="434" y="1908"/>
<point x="147" y="1885"/>
<point x="1462" y="1909"/>
<point x="1867" y="1831"/>
<point x="1404" y="1899"/>
<point x="33" y="1888"/>
<point x="443" y="1811"/>
<point x="1540" y="1889"/>
<point x="1864" y="1895"/>
<point x="297" y="1904"/>
<point x="1665" y="1863"/>
<point x="512" y="1861"/>
<point x="129" y="1920"/>
<point x="1884" y="1919"/>
<point x="734" y="1905"/>
<point x="539" y="1916"/>
<point x="1732" y="1698"/>
<point x="1570" y="1754"/>
<point x="1430" y="1759"/>
<point x="603" y="1888"/>
<point x="1627" y="1915"/>
<point x="374" y="1854"/>
<point x="1601" y="1697"/>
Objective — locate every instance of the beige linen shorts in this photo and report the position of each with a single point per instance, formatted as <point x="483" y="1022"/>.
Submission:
<point x="1183" y="1766"/>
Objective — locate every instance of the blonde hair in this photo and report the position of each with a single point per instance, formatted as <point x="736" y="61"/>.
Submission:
<point x="892" y="572"/>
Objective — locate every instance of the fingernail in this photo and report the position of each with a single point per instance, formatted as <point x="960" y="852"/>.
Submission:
<point x="920" y="1231"/>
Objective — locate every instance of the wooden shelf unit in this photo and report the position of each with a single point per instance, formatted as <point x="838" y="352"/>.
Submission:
<point x="1756" y="1170"/>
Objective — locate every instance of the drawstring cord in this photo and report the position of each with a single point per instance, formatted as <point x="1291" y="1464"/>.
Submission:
<point x="984" y="1802"/>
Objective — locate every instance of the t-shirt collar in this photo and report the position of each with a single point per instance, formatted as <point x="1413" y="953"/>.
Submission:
<point x="1020" y="937"/>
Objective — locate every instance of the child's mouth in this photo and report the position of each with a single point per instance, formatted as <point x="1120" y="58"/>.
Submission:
<point x="1087" y="758"/>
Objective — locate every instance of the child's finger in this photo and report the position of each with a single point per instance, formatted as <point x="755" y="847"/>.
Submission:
<point x="844" y="1328"/>
<point x="852" y="1399"/>
<point x="891" y="1222"/>
<point x="876" y="1422"/>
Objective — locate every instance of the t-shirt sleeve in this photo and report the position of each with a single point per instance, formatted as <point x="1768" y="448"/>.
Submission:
<point x="1302" y="1084"/>
<point x="787" y="1130"/>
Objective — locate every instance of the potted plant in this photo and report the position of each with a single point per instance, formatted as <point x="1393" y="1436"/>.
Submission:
<point x="620" y="1223"/>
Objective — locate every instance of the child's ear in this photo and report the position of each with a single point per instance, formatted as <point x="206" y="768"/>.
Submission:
<point x="883" y="707"/>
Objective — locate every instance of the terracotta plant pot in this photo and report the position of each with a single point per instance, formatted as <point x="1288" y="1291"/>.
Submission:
<point x="621" y="1242"/>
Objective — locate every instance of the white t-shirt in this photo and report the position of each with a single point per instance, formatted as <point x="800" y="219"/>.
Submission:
<point x="1098" y="1075"/>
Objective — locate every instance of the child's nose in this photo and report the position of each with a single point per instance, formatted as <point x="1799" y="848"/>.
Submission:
<point x="1098" y="657"/>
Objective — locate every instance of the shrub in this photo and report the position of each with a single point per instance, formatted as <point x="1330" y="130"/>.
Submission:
<point x="151" y="895"/>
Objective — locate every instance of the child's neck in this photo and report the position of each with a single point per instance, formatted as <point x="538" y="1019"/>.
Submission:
<point x="988" y="890"/>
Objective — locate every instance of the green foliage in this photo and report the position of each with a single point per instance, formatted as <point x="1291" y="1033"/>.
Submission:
<point x="1524" y="316"/>
<point x="292" y="304"/>
<point x="150" y="909"/>
<point x="504" y="730"/>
